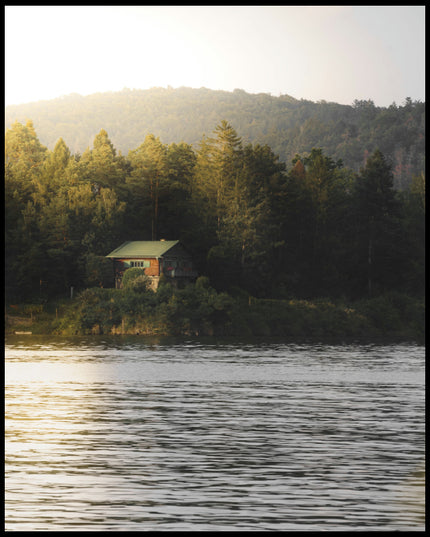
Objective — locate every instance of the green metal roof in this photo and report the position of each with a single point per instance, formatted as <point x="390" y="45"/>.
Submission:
<point x="142" y="249"/>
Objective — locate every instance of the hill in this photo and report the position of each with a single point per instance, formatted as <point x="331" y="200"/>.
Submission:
<point x="289" y="126"/>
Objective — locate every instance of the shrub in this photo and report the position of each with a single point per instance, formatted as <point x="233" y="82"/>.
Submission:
<point x="382" y="313"/>
<point x="202" y="282"/>
<point x="136" y="303"/>
<point x="136" y="279"/>
<point x="140" y="284"/>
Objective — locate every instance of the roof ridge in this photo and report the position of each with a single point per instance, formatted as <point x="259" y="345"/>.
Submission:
<point x="143" y="248"/>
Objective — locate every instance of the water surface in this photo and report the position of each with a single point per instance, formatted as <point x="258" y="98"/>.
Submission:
<point x="133" y="433"/>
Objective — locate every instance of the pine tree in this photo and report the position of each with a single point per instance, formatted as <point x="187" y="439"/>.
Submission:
<point x="101" y="165"/>
<point x="217" y="168"/>
<point x="24" y="159"/>
<point x="148" y="178"/>
<point x="378" y="222"/>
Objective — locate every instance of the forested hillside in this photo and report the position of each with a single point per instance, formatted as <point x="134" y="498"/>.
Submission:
<point x="287" y="125"/>
<point x="254" y="225"/>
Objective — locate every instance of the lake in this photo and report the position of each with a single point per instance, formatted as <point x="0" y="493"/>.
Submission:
<point x="133" y="433"/>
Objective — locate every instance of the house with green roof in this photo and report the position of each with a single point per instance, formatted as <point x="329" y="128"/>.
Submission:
<point x="168" y="258"/>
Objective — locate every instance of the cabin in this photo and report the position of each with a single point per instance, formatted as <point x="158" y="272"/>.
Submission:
<point x="168" y="258"/>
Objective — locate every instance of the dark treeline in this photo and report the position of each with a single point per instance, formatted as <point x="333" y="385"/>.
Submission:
<point x="287" y="125"/>
<point x="254" y="225"/>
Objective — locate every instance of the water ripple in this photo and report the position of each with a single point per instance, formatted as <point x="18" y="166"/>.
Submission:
<point x="200" y="437"/>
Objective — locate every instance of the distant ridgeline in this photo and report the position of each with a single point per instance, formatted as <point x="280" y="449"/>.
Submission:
<point x="287" y="125"/>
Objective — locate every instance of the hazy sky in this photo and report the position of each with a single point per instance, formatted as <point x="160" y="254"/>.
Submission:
<point x="335" y="53"/>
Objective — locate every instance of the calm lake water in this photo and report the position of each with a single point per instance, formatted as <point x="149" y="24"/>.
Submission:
<point x="133" y="433"/>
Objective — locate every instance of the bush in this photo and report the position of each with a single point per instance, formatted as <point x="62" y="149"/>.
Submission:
<point x="202" y="282"/>
<point x="134" y="303"/>
<point x="92" y="307"/>
<point x="136" y="279"/>
<point x="382" y="313"/>
<point x="200" y="309"/>
<point x="140" y="284"/>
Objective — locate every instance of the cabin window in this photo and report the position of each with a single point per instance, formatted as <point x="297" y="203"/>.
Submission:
<point x="141" y="264"/>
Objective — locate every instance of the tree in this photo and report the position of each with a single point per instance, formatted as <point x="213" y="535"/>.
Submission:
<point x="414" y="225"/>
<point x="57" y="162"/>
<point x="101" y="166"/>
<point x="379" y="237"/>
<point x="24" y="154"/>
<point x="217" y="167"/>
<point x="24" y="159"/>
<point x="233" y="194"/>
<point x="312" y="208"/>
<point x="60" y="221"/>
<point x="175" y="212"/>
<point x="148" y="178"/>
<point x="250" y="228"/>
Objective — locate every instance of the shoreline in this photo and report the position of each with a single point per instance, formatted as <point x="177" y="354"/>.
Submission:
<point x="156" y="339"/>
<point x="202" y="312"/>
<point x="350" y="329"/>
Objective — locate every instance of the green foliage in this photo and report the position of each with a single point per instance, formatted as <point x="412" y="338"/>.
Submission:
<point x="253" y="227"/>
<point x="98" y="271"/>
<point x="95" y="310"/>
<point x="202" y="282"/>
<point x="101" y="166"/>
<point x="55" y="218"/>
<point x="233" y="192"/>
<point x="200" y="310"/>
<point x="379" y="235"/>
<point x="148" y="178"/>
<point x="130" y="275"/>
<point x="286" y="124"/>
<point x="141" y="284"/>
<point x="194" y="309"/>
<point x="396" y="314"/>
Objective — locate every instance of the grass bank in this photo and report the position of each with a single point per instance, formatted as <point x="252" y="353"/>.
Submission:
<point x="200" y="310"/>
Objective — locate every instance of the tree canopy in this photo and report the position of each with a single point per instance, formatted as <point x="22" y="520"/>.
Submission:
<point x="312" y="227"/>
<point x="287" y="125"/>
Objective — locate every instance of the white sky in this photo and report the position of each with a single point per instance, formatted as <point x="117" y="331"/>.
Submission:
<point x="335" y="53"/>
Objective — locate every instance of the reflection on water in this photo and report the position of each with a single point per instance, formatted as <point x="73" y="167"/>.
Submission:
<point x="137" y="434"/>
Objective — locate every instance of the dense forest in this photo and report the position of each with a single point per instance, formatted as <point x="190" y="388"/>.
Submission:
<point x="287" y="125"/>
<point x="253" y="224"/>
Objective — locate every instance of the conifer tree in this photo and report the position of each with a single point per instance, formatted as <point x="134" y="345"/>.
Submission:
<point x="148" y="178"/>
<point x="101" y="165"/>
<point x="24" y="159"/>
<point x="217" y="168"/>
<point x="379" y="236"/>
